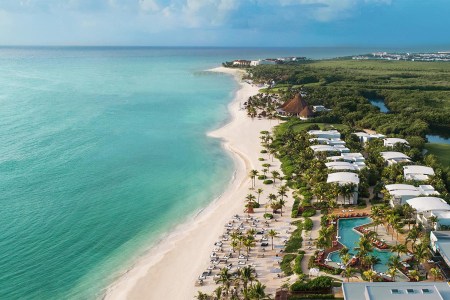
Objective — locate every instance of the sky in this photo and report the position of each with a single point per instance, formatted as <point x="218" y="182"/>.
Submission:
<point x="244" y="23"/>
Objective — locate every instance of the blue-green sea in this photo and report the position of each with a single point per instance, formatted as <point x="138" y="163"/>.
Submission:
<point x="102" y="152"/>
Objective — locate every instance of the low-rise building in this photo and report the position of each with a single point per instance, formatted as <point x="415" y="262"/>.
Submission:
<point x="391" y="142"/>
<point x="329" y="149"/>
<point x="364" y="137"/>
<point x="344" y="178"/>
<point x="392" y="157"/>
<point x="343" y="165"/>
<point x="320" y="108"/>
<point x="428" y="207"/>
<point x="417" y="173"/>
<point x="329" y="134"/>
<point x="241" y="63"/>
<point x="399" y="193"/>
<point x="396" y="290"/>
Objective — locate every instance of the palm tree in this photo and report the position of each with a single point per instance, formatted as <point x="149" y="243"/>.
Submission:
<point x="345" y="259"/>
<point x="272" y="233"/>
<point x="343" y="251"/>
<point x="259" y="192"/>
<point x="394" y="263"/>
<point x="370" y="274"/>
<point x="275" y="175"/>
<point x="281" y="204"/>
<point x="282" y="191"/>
<point x="414" y="274"/>
<point x="257" y="291"/>
<point x="218" y="293"/>
<point x="347" y="191"/>
<point x="433" y="220"/>
<point x="248" y="243"/>
<point x="225" y="279"/>
<point x="234" y="245"/>
<point x="267" y="166"/>
<point x="348" y="273"/>
<point x="372" y="260"/>
<point x="202" y="296"/>
<point x="413" y="235"/>
<point x="253" y="174"/>
<point x="399" y="248"/>
<point x="435" y="273"/>
<point x="246" y="275"/>
<point x="392" y="272"/>
<point x="408" y="211"/>
<point x="421" y="252"/>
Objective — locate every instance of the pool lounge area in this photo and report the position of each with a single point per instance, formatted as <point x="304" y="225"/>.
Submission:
<point x="349" y="237"/>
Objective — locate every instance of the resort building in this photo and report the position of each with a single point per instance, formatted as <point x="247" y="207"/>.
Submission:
<point x="241" y="63"/>
<point x="258" y="62"/>
<point x="417" y="173"/>
<point x="343" y="178"/>
<point x="297" y="106"/>
<point x="348" y="157"/>
<point x="440" y="246"/>
<point x="428" y="207"/>
<point x="329" y="149"/>
<point x="328" y="134"/>
<point x="391" y="142"/>
<point x="320" y="108"/>
<point x="343" y="165"/>
<point x="326" y="141"/>
<point x="396" y="290"/>
<point x="392" y="157"/>
<point x="364" y="137"/>
<point x="399" y="193"/>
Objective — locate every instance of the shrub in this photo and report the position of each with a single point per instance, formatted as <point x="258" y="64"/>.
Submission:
<point x="309" y="212"/>
<point x="295" y="241"/>
<point x="285" y="264"/>
<point x="308" y="224"/>
<point x="262" y="177"/>
<point x="268" y="181"/>
<point x="256" y="205"/>
<point x="295" y="208"/>
<point x="268" y="216"/>
<point x="319" y="283"/>
<point x="263" y="151"/>
<point x="261" y="159"/>
<point x="298" y="263"/>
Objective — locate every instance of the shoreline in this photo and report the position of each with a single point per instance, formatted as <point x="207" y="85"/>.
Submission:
<point x="178" y="258"/>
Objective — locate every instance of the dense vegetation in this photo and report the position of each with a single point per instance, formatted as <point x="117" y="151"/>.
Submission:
<point x="417" y="93"/>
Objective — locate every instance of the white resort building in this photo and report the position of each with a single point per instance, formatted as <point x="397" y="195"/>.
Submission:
<point x="399" y="193"/>
<point x="343" y="178"/>
<point x="417" y="173"/>
<point x="329" y="149"/>
<point x="427" y="207"/>
<point x="396" y="290"/>
<point x="364" y="137"/>
<point x="391" y="157"/>
<point x="391" y="142"/>
<point x="343" y="165"/>
<point x="328" y="134"/>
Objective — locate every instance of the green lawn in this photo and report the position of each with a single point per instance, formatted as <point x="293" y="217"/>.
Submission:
<point x="442" y="152"/>
<point x="297" y="125"/>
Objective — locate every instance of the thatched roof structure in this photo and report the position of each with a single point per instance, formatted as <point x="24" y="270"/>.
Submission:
<point x="306" y="113"/>
<point x="295" y="105"/>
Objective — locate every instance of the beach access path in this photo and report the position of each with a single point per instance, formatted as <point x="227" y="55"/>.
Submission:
<point x="171" y="268"/>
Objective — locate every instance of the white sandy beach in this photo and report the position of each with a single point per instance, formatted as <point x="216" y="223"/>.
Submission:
<point x="170" y="270"/>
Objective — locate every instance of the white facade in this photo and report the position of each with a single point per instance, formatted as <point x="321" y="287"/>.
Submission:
<point x="391" y="157"/>
<point x="329" y="134"/>
<point x="427" y="207"/>
<point x="329" y="149"/>
<point x="391" y="142"/>
<point x="417" y="173"/>
<point x="365" y="137"/>
<point x="343" y="178"/>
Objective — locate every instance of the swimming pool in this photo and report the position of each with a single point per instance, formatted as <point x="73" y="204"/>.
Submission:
<point x="349" y="238"/>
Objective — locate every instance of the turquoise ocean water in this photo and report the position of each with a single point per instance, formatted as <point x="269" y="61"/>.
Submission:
<point x="102" y="151"/>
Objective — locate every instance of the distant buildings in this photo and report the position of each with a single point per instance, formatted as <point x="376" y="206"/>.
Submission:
<point x="365" y="137"/>
<point x="439" y="56"/>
